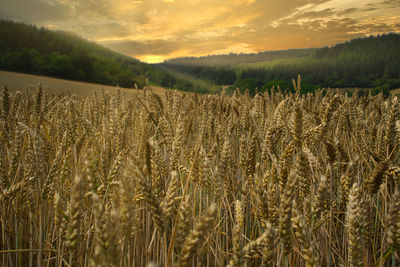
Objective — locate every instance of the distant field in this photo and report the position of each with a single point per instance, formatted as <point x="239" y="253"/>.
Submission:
<point x="395" y="91"/>
<point x="195" y="81"/>
<point x="27" y="82"/>
<point x="269" y="63"/>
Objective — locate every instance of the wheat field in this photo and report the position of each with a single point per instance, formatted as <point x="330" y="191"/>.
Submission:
<point x="277" y="179"/>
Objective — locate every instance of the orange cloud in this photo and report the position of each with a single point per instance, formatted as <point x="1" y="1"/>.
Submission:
<point x="154" y="30"/>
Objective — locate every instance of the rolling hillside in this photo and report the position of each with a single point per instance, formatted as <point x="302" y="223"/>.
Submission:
<point x="28" y="83"/>
<point x="237" y="59"/>
<point x="372" y="62"/>
<point x="28" y="49"/>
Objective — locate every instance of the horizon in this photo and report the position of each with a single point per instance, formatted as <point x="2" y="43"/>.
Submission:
<point x="158" y="30"/>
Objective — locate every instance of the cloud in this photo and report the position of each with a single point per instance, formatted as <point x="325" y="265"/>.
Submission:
<point x="361" y="17"/>
<point x="34" y="11"/>
<point x="391" y="3"/>
<point x="160" y="29"/>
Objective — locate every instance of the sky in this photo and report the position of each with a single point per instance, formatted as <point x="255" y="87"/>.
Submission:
<point x="155" y="30"/>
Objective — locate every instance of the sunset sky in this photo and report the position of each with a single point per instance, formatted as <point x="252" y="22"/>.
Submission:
<point x="155" y="30"/>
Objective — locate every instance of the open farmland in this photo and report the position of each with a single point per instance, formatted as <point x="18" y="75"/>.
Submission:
<point x="199" y="180"/>
<point x="28" y="83"/>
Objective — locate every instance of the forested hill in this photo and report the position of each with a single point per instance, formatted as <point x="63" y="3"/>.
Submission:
<point x="235" y="59"/>
<point x="29" y="49"/>
<point x="371" y="62"/>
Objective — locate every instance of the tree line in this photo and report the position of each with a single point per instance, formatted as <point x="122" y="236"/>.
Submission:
<point x="372" y="62"/>
<point x="219" y="76"/>
<point x="232" y="59"/>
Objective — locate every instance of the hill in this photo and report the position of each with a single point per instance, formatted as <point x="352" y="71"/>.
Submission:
<point x="29" y="49"/>
<point x="28" y="83"/>
<point x="372" y="62"/>
<point x="236" y="59"/>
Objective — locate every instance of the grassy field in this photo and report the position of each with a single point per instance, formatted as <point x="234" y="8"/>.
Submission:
<point x="199" y="83"/>
<point x="270" y="63"/>
<point x="29" y="83"/>
<point x="199" y="180"/>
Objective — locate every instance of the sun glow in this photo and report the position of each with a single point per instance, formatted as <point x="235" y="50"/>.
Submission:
<point x="152" y="59"/>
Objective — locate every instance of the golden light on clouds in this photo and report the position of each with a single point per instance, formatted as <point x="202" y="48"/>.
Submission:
<point x="155" y="30"/>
